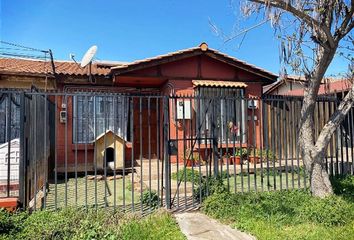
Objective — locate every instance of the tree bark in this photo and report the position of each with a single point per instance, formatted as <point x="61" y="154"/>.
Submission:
<point x="320" y="183"/>
<point x="312" y="154"/>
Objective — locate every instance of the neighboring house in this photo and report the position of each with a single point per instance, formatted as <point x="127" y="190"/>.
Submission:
<point x="194" y="71"/>
<point x="284" y="86"/>
<point x="294" y="86"/>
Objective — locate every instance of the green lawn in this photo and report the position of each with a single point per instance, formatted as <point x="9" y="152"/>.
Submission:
<point x="259" y="182"/>
<point x="80" y="224"/>
<point x="291" y="214"/>
<point x="243" y="182"/>
<point x="83" y="197"/>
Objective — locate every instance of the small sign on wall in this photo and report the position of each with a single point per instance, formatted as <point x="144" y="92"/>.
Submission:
<point x="183" y="109"/>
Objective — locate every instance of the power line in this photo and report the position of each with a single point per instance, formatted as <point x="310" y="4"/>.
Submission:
<point x="8" y="54"/>
<point x="21" y="46"/>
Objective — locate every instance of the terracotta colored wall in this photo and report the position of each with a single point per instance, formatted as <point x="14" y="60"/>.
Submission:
<point x="68" y="151"/>
<point x="179" y="76"/>
<point x="185" y="87"/>
<point x="142" y="122"/>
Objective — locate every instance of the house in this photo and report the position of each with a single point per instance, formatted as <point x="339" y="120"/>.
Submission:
<point x="294" y="86"/>
<point x="198" y="71"/>
<point x="284" y="85"/>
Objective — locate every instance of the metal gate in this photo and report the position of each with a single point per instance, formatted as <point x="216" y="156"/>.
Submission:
<point x="140" y="152"/>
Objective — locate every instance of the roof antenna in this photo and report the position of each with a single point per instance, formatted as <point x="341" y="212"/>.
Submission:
<point x="86" y="59"/>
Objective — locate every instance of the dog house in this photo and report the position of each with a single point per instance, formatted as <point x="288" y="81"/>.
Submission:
<point x="109" y="147"/>
<point x="14" y="159"/>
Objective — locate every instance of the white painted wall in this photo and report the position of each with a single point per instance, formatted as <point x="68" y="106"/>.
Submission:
<point x="14" y="160"/>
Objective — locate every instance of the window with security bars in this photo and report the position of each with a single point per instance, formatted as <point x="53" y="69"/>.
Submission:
<point x="222" y="114"/>
<point x="94" y="115"/>
<point x="14" y="117"/>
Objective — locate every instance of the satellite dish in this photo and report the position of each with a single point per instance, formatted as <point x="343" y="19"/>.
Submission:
<point x="87" y="58"/>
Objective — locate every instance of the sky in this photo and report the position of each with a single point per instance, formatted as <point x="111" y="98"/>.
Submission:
<point x="132" y="29"/>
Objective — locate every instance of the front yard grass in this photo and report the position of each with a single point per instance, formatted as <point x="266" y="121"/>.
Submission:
<point x="80" y="224"/>
<point x="80" y="194"/>
<point x="293" y="214"/>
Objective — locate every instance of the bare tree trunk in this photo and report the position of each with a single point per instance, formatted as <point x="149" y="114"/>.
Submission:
<point x="320" y="183"/>
<point x="312" y="153"/>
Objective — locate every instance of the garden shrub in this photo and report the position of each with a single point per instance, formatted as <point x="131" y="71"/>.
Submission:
<point x="344" y="185"/>
<point x="330" y="211"/>
<point x="157" y="226"/>
<point x="150" y="198"/>
<point x="284" y="206"/>
<point x="88" y="224"/>
<point x="209" y="186"/>
<point x="187" y="174"/>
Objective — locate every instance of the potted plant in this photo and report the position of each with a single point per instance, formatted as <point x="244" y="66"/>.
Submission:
<point x="227" y="159"/>
<point x="192" y="158"/>
<point x="240" y="154"/>
<point x="254" y="155"/>
<point x="268" y="154"/>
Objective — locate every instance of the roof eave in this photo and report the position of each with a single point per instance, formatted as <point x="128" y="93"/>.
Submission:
<point x="271" y="78"/>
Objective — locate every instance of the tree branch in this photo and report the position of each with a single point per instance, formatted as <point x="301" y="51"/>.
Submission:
<point x="301" y="15"/>
<point x="336" y="118"/>
<point x="344" y="29"/>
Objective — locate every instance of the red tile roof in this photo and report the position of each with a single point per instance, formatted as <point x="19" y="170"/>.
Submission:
<point x="329" y="82"/>
<point x="327" y="88"/>
<point x="211" y="83"/>
<point x="39" y="67"/>
<point x="202" y="48"/>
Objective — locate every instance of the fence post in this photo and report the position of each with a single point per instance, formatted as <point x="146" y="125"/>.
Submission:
<point x="22" y="163"/>
<point x="166" y="154"/>
<point x="8" y="138"/>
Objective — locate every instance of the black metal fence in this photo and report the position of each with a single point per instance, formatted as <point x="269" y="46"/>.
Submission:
<point x="137" y="152"/>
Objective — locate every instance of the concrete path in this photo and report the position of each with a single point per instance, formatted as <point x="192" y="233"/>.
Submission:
<point x="197" y="226"/>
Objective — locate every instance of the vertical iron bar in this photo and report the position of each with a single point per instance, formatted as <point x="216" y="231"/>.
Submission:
<point x="132" y="149"/>
<point x="8" y="125"/>
<point x="149" y="147"/>
<point x="66" y="154"/>
<point x="158" y="129"/>
<point x="261" y="129"/>
<point x="254" y="144"/>
<point x="166" y="155"/>
<point x="45" y="152"/>
<point x="285" y="131"/>
<point x="292" y="140"/>
<point x="234" y="135"/>
<point x="22" y="163"/>
<point x="266" y="136"/>
<point x="188" y="155"/>
<point x="192" y="142"/>
<point x="279" y="171"/>
<point x="94" y="109"/>
<point x="228" y="157"/>
<point x="175" y="101"/>
<point x="115" y="106"/>
<point x="247" y="129"/>
<point x="86" y="139"/>
<point x="198" y="132"/>
<point x="243" y="117"/>
<point x="76" y="141"/>
<point x="141" y="151"/>
<point x="55" y="153"/>
<point x="273" y="112"/>
<point x="118" y="103"/>
<point x="105" y="113"/>
<point x="35" y="156"/>
<point x="331" y="142"/>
